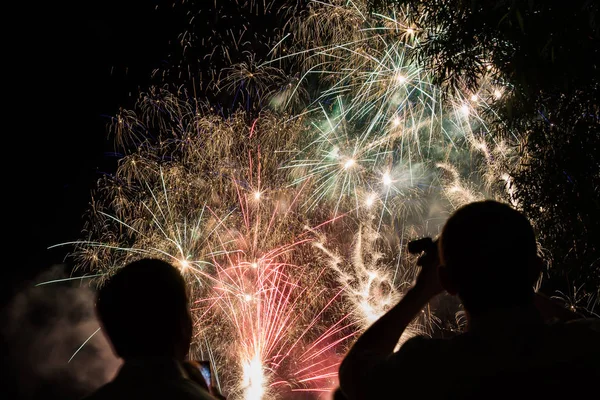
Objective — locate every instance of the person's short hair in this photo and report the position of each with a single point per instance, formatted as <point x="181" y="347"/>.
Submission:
<point x="488" y="249"/>
<point x="144" y="309"/>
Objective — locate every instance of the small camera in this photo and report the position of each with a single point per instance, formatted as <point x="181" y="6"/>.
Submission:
<point x="424" y="245"/>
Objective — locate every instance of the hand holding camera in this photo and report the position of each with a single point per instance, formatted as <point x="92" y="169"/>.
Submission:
<point x="201" y="373"/>
<point x="428" y="278"/>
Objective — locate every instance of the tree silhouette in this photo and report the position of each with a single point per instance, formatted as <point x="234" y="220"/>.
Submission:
<point x="546" y="53"/>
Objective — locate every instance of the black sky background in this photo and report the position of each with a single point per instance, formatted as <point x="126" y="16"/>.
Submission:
<point x="72" y="65"/>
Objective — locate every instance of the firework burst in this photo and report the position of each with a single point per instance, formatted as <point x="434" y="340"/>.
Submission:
<point x="289" y="226"/>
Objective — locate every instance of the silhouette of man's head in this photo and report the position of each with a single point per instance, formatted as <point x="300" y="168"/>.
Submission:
<point x="144" y="311"/>
<point x="489" y="257"/>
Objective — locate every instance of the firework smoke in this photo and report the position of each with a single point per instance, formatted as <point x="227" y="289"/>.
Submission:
<point x="46" y="326"/>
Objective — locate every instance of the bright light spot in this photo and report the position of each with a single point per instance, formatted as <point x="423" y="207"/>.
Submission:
<point x="497" y="94"/>
<point x="387" y="179"/>
<point x="254" y="265"/>
<point x="465" y="110"/>
<point x="474" y="98"/>
<point x="400" y="78"/>
<point x="257" y="195"/>
<point x="410" y="31"/>
<point x="489" y="67"/>
<point x="481" y="146"/>
<point x="396" y="121"/>
<point x="248" y="297"/>
<point x="369" y="313"/>
<point x="253" y="379"/>
<point x="349" y="163"/>
<point x="335" y="152"/>
<point x="184" y="264"/>
<point x="370" y="199"/>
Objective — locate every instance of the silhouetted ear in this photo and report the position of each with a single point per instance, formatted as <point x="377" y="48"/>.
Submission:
<point x="446" y="280"/>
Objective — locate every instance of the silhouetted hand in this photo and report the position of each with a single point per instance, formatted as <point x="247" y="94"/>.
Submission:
<point x="428" y="279"/>
<point x="192" y="369"/>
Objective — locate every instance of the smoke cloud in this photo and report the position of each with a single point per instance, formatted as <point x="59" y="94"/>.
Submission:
<point x="43" y="327"/>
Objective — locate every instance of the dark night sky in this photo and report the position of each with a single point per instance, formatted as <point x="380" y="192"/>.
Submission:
<point x="71" y="66"/>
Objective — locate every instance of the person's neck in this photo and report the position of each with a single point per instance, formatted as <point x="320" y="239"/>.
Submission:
<point x="155" y="367"/>
<point x="504" y="320"/>
<point x="151" y="360"/>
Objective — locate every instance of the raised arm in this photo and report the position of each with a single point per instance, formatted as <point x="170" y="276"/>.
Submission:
<point x="380" y="339"/>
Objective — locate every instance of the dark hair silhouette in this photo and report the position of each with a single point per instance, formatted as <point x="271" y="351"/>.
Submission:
<point x="144" y="311"/>
<point x="489" y="255"/>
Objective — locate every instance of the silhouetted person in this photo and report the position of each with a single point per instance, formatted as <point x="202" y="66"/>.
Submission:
<point x="488" y="257"/>
<point x="143" y="309"/>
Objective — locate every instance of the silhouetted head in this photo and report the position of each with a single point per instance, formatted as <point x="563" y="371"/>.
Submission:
<point x="144" y="311"/>
<point x="489" y="257"/>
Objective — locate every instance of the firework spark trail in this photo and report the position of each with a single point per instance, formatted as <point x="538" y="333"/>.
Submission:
<point x="262" y="300"/>
<point x="262" y="292"/>
<point x="288" y="224"/>
<point x="387" y="137"/>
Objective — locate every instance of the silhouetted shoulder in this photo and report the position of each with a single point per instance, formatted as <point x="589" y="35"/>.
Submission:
<point x="180" y="389"/>
<point x="576" y="340"/>
<point x="105" y="392"/>
<point x="411" y="369"/>
<point x="584" y="324"/>
<point x="468" y="367"/>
